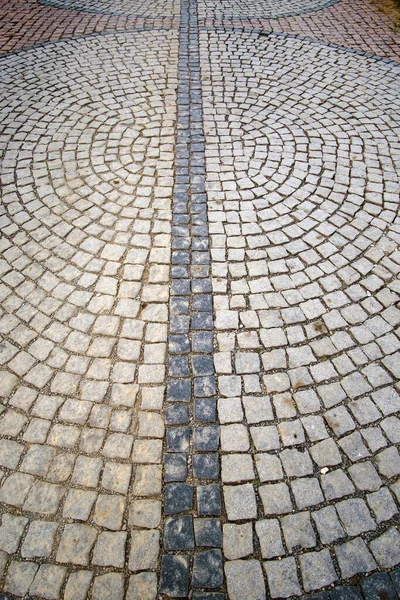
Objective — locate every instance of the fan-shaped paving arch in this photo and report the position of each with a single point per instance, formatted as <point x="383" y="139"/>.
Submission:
<point x="303" y="158"/>
<point x="88" y="132"/>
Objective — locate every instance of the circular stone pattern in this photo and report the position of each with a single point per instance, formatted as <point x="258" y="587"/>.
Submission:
<point x="256" y="9"/>
<point x="303" y="162"/>
<point x="126" y="8"/>
<point x="86" y="173"/>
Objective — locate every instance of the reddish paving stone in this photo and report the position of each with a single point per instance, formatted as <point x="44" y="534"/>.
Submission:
<point x="355" y="24"/>
<point x="24" y="24"/>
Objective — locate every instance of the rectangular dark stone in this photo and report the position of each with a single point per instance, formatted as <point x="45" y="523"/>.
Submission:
<point x="179" y="324"/>
<point x="178" y="439"/>
<point x="377" y="587"/>
<point x="174" y="577"/>
<point x="208" y="533"/>
<point x="205" y="409"/>
<point x="209" y="500"/>
<point x="203" y="320"/>
<point x="178" y="344"/>
<point x="178" y="533"/>
<point x="179" y="390"/>
<point x="206" y="466"/>
<point x="175" y="467"/>
<point x="206" y="438"/>
<point x="208" y="569"/>
<point x="204" y="387"/>
<point x="179" y="306"/>
<point x="177" y="414"/>
<point x="178" y="498"/>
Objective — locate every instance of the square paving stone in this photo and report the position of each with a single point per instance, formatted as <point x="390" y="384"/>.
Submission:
<point x="108" y="587"/>
<point x="365" y="476"/>
<point x="145" y="513"/>
<point x="336" y="485"/>
<point x="298" y="531"/>
<point x="44" y="498"/>
<point x="209" y="500"/>
<point x="15" y="489"/>
<point x="276" y="499"/>
<point x="78" y="585"/>
<point x="109" y="550"/>
<point x="355" y="516"/>
<point x="269" y="467"/>
<point x="179" y="390"/>
<point x="205" y="466"/>
<point x="307" y="492"/>
<point x="177" y="414"/>
<point x="386" y="548"/>
<point x="76" y="543"/>
<point x="11" y="530"/>
<point x="178" y="498"/>
<point x="178" y="439"/>
<point x="353" y="558"/>
<point x="142" y="586"/>
<point x="19" y="577"/>
<point x="208" y="569"/>
<point x="317" y="570"/>
<point x="238" y="540"/>
<point x="175" y="467"/>
<point x="178" y="533"/>
<point x="48" y="582"/>
<point x="205" y="409"/>
<point x="296" y="463"/>
<point x="245" y="579"/>
<point x="208" y="532"/>
<point x="240" y="502"/>
<point x="109" y="511"/>
<point x="282" y="578"/>
<point x="174" y="578"/>
<point x="269" y="536"/>
<point x="39" y="540"/>
<point x="206" y="438"/>
<point x="145" y="548"/>
<point x="236" y="468"/>
<point x="78" y="504"/>
<point x="328" y="524"/>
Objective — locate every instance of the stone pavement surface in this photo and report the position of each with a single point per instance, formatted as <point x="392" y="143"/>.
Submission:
<point x="199" y="300"/>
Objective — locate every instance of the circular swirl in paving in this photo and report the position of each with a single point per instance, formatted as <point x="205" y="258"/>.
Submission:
<point x="87" y="132"/>
<point x="127" y="8"/>
<point x="256" y="9"/>
<point x="303" y="162"/>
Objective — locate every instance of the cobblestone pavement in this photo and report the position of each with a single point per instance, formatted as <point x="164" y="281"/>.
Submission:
<point x="199" y="301"/>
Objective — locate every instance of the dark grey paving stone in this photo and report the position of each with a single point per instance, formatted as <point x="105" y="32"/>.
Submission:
<point x="206" y="466"/>
<point x="174" y="578"/>
<point x="209" y="500"/>
<point x="208" y="569"/>
<point x="208" y="532"/>
<point x="346" y="592"/>
<point x="175" y="467"/>
<point x="178" y="533"/>
<point x="378" y="587"/>
<point x="178" y="498"/>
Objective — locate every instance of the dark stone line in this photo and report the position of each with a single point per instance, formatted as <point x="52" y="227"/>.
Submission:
<point x="191" y="461"/>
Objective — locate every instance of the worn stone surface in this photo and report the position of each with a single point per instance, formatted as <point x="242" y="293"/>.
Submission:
<point x="199" y="254"/>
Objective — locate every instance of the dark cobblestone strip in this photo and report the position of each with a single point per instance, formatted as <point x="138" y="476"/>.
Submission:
<point x="192" y="556"/>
